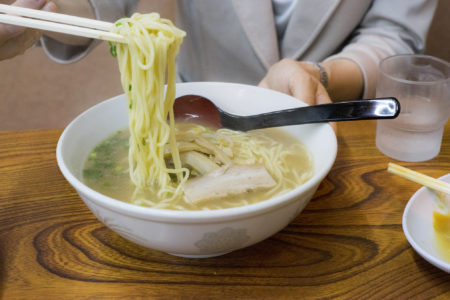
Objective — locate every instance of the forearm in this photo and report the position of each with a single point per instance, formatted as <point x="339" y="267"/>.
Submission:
<point x="345" y="80"/>
<point x="80" y="8"/>
<point x="388" y="28"/>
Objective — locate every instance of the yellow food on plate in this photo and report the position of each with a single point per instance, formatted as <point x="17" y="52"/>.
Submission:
<point x="441" y="224"/>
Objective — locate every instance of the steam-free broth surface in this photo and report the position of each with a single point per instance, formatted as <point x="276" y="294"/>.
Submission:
<point x="106" y="171"/>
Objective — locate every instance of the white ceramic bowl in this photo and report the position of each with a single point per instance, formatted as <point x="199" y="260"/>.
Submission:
<point x="418" y="226"/>
<point x="195" y="233"/>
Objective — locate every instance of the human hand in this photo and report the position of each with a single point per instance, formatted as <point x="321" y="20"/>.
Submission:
<point x="298" y="79"/>
<point x="14" y="40"/>
<point x="79" y="8"/>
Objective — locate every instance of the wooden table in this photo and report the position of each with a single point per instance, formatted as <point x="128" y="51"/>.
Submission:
<point x="348" y="242"/>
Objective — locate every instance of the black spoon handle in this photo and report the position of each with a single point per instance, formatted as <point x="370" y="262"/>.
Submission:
<point x="381" y="108"/>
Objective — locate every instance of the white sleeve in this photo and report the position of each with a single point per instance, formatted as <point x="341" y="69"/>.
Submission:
<point x="106" y="10"/>
<point x="389" y="27"/>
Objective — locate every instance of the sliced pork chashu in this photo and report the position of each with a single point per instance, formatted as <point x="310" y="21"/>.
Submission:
<point x="226" y="181"/>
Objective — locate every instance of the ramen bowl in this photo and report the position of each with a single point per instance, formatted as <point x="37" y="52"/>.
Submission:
<point x="195" y="233"/>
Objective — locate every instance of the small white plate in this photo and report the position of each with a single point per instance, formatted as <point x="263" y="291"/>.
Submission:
<point x="418" y="226"/>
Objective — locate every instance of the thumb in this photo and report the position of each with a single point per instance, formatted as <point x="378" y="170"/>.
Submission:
<point x="304" y="89"/>
<point x="9" y="31"/>
<point x="322" y="96"/>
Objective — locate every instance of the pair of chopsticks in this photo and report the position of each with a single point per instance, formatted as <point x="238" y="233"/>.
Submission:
<point x="56" y="22"/>
<point x="430" y="182"/>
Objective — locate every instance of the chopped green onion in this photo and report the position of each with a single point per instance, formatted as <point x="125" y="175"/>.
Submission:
<point x="113" y="50"/>
<point x="92" y="174"/>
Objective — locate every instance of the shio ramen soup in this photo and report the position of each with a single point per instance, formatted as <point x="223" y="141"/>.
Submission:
<point x="224" y="168"/>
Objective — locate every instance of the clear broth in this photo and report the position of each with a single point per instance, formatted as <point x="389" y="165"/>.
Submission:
<point x="106" y="171"/>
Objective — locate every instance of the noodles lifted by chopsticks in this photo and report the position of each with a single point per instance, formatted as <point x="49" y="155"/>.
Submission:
<point x="145" y="62"/>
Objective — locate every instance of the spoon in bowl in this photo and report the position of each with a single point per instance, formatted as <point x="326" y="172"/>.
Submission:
<point x="199" y="108"/>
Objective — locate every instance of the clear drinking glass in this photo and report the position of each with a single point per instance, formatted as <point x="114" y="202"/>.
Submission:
<point x="421" y="84"/>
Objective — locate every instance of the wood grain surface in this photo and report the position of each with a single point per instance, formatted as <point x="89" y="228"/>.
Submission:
<point x="348" y="243"/>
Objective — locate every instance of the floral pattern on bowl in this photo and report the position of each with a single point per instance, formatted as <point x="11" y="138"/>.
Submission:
<point x="225" y="238"/>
